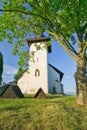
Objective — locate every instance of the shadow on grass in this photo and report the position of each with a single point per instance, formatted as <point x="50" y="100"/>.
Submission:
<point x="56" y="96"/>
<point x="29" y="96"/>
<point x="48" y="96"/>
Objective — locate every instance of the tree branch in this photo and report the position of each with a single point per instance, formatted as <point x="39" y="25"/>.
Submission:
<point x="68" y="44"/>
<point x="65" y="47"/>
<point x="45" y="13"/>
<point x="23" y="12"/>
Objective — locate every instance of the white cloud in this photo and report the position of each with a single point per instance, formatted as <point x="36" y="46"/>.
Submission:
<point x="8" y="73"/>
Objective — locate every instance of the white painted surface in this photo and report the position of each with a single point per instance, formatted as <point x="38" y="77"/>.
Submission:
<point x="29" y="83"/>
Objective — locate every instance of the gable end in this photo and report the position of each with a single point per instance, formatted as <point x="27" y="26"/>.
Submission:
<point x="58" y="71"/>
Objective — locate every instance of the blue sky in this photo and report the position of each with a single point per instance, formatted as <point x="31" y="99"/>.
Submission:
<point x="59" y="58"/>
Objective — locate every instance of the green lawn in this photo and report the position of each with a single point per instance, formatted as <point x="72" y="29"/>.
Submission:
<point x="57" y="112"/>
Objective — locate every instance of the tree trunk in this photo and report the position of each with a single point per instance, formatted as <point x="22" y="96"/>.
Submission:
<point x="81" y="81"/>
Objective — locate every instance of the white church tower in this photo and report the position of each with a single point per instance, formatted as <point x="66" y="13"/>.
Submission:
<point x="40" y="73"/>
<point x="38" y="68"/>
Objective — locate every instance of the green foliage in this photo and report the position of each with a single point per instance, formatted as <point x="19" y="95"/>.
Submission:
<point x="19" y="73"/>
<point x="64" y="20"/>
<point x="23" y="64"/>
<point x="57" y="112"/>
<point x="24" y="57"/>
<point x="60" y="18"/>
<point x="1" y="67"/>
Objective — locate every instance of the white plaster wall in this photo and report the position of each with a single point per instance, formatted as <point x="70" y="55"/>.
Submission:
<point x="23" y="82"/>
<point x="40" y="63"/>
<point x="29" y="83"/>
<point x="52" y="76"/>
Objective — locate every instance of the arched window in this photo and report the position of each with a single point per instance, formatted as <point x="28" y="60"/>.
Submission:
<point x="37" y="73"/>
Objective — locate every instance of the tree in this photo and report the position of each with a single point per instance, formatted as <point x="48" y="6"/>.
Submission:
<point x="24" y="58"/>
<point x="64" y="20"/>
<point x="1" y="67"/>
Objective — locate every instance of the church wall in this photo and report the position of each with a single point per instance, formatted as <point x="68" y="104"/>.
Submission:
<point x="40" y="64"/>
<point x="23" y="83"/>
<point x="38" y="72"/>
<point x="52" y="77"/>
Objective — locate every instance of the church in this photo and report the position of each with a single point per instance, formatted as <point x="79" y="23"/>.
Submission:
<point x="40" y="73"/>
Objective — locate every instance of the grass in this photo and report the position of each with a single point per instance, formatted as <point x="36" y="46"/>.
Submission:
<point x="57" y="112"/>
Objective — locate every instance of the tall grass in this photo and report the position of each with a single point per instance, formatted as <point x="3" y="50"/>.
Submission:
<point x="57" y="112"/>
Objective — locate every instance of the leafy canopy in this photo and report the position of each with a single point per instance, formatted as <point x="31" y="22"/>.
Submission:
<point x="64" y="20"/>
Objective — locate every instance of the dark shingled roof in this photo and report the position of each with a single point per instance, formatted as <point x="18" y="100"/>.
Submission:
<point x="38" y="39"/>
<point x="58" y="71"/>
<point x="10" y="91"/>
<point x="2" y="89"/>
<point x="40" y="94"/>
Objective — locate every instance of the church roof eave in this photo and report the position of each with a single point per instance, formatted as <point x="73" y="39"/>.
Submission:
<point x="38" y="39"/>
<point x="58" y="71"/>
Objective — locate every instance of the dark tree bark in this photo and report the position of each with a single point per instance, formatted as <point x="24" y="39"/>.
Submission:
<point x="81" y="80"/>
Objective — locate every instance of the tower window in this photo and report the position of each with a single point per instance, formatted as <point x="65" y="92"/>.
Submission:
<point x="37" y="73"/>
<point x="37" y="59"/>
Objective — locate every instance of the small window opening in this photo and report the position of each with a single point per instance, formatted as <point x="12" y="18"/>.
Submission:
<point x="37" y="73"/>
<point x="37" y="59"/>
